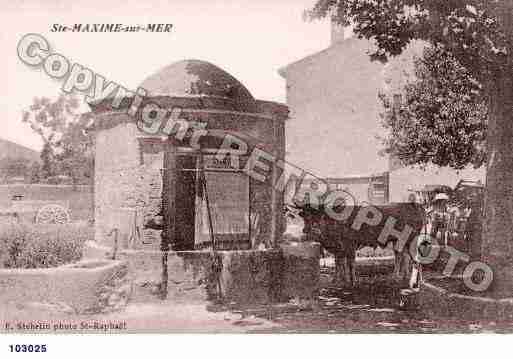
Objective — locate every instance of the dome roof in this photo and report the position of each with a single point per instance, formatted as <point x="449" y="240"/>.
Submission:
<point x="195" y="78"/>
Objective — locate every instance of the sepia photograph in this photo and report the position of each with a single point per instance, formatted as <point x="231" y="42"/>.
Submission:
<point x="273" y="167"/>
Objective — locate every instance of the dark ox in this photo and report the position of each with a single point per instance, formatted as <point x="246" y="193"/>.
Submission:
<point x="365" y="226"/>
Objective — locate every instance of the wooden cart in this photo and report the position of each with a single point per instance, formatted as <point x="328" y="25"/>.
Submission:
<point x="37" y="211"/>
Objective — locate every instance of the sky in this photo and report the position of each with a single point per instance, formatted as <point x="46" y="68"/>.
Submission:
<point x="249" y="39"/>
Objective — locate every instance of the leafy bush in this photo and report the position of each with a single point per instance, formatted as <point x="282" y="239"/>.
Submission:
<point x="42" y="246"/>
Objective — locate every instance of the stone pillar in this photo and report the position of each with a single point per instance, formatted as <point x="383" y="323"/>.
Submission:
<point x="169" y="195"/>
<point x="301" y="271"/>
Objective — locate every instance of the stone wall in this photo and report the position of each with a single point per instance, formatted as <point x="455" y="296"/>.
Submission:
<point x="128" y="188"/>
<point x="129" y="175"/>
<point x="129" y="168"/>
<point x="435" y="301"/>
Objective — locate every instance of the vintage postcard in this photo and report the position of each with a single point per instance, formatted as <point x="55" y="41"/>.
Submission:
<point x="306" y="166"/>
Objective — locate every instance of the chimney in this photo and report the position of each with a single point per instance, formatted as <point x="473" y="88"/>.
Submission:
<point x="339" y="32"/>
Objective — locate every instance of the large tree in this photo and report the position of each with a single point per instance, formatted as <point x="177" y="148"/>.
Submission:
<point x="479" y="34"/>
<point x="439" y="117"/>
<point x="68" y="148"/>
<point x="48" y="160"/>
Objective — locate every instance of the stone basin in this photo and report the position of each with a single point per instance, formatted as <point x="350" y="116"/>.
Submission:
<point x="243" y="276"/>
<point x="88" y="286"/>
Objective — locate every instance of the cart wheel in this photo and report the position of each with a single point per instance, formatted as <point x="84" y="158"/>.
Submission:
<point x="52" y="214"/>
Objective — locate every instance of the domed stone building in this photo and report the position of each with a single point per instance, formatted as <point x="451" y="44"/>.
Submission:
<point x="172" y="176"/>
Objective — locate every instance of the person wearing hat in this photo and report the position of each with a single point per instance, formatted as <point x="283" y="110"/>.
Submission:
<point x="440" y="217"/>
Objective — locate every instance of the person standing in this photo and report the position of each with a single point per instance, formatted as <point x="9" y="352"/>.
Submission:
<point x="440" y="218"/>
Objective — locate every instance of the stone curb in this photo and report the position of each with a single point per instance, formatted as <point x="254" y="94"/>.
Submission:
<point x="436" y="300"/>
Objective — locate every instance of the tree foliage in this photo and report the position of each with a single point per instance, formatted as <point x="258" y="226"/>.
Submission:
<point x="440" y="117"/>
<point x="68" y="148"/>
<point x="48" y="160"/>
<point x="468" y="29"/>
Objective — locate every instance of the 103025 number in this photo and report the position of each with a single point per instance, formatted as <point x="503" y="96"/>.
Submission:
<point x="27" y="348"/>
